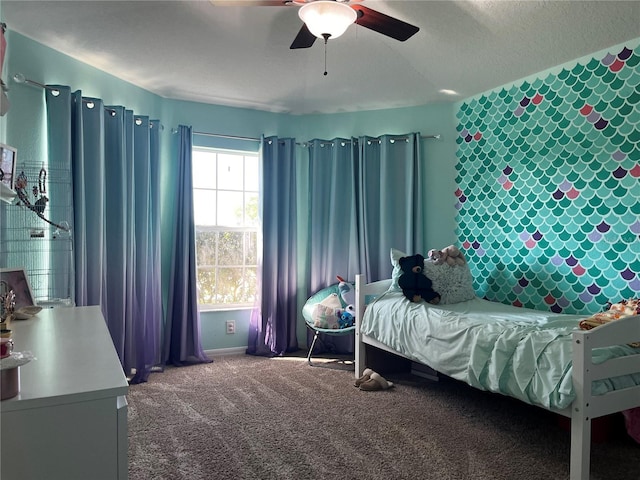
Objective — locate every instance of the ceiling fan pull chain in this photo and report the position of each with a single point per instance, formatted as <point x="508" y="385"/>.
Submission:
<point x="326" y="37"/>
<point x="325" y="58"/>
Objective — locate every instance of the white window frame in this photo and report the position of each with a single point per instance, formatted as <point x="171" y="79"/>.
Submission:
<point x="222" y="228"/>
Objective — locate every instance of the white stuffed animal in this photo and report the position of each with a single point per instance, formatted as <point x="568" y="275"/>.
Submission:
<point x="450" y="255"/>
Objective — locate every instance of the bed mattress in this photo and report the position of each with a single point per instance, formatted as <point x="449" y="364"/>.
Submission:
<point x="519" y="352"/>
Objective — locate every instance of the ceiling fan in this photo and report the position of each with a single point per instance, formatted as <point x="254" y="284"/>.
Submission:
<point x="330" y="19"/>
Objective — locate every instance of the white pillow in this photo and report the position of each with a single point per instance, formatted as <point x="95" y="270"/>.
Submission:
<point x="324" y="313"/>
<point x="396" y="255"/>
<point x="454" y="283"/>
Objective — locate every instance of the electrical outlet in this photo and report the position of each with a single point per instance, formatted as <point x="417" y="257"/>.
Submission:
<point x="231" y="326"/>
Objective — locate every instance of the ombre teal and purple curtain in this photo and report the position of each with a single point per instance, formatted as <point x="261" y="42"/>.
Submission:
<point x="272" y="329"/>
<point x="182" y="331"/>
<point x="391" y="200"/>
<point x="333" y="208"/>
<point x="113" y="156"/>
<point x="365" y="197"/>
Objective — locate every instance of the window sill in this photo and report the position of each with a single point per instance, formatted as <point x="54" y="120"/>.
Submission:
<point x="225" y="308"/>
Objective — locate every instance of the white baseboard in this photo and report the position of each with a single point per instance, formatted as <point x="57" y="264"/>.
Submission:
<point x="219" y="352"/>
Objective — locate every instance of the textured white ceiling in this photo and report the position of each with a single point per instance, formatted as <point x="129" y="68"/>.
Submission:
<point x="240" y="56"/>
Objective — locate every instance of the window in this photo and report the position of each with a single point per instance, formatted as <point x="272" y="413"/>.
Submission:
<point x="225" y="200"/>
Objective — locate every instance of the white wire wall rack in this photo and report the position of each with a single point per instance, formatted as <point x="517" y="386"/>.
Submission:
<point x="36" y="232"/>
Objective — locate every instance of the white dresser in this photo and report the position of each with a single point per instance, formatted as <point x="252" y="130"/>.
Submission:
<point x="69" y="420"/>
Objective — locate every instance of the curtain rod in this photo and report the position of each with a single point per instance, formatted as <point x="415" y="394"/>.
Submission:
<point x="20" y="78"/>
<point x="219" y="135"/>
<point x="371" y="140"/>
<point x="253" y="139"/>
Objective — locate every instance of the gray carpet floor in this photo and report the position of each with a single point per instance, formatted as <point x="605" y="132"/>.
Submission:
<point x="244" y="417"/>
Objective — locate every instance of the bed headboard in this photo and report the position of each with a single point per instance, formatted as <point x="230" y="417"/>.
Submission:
<point x="365" y="294"/>
<point x="369" y="291"/>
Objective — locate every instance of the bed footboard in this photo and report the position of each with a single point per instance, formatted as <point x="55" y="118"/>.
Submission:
<point x="587" y="406"/>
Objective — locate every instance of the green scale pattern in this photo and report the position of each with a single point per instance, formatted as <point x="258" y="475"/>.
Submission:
<point x="548" y="187"/>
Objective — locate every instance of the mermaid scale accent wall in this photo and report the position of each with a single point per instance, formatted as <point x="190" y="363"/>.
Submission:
<point x="548" y="193"/>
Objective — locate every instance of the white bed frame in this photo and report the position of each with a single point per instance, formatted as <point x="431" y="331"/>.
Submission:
<point x="585" y="406"/>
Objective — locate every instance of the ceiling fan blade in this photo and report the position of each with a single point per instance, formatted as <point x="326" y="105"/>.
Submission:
<point x="261" y="3"/>
<point x="384" y="24"/>
<point x="250" y="3"/>
<point x="304" y="39"/>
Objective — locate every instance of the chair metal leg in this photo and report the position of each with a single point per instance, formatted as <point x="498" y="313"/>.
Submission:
<point x="315" y="337"/>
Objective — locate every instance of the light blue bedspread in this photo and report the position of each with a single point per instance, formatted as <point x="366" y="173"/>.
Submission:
<point x="518" y="352"/>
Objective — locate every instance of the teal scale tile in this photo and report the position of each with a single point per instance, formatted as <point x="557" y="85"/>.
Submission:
<point x="630" y="201"/>
<point x="600" y="141"/>
<point x="572" y="244"/>
<point x="585" y="75"/>
<point x="633" y="79"/>
<point x="609" y="95"/>
<point x="600" y="88"/>
<point x="609" y="131"/>
<point x="619" y="192"/>
<point x="534" y="120"/>
<point x="565" y="141"/>
<point x="609" y="113"/>
<point x="578" y="87"/>
<point x="634" y="136"/>
<point x="617" y="84"/>
<point x="594" y="83"/>
<point x="569" y="81"/>
<point x="502" y="109"/>
<point x="620" y="230"/>
<point x="584" y="127"/>
<point x="608" y="77"/>
<point x="573" y="115"/>
<point x="513" y="92"/>
<point x="627" y="129"/>
<point x="525" y="87"/>
<point x="603" y="209"/>
<point x="600" y="71"/>
<point x="619" y="118"/>
<point x="538" y="84"/>
<point x="556" y="101"/>
<point x="627" y="75"/>
<point x="553" y="92"/>
<point x="593" y="65"/>
<point x="628" y="146"/>
<point x="634" y="59"/>
<point x="634" y="98"/>
<point x="618" y="101"/>
<point x="578" y="120"/>
<point x="601" y="106"/>
<point x="585" y="260"/>
<point x="586" y="143"/>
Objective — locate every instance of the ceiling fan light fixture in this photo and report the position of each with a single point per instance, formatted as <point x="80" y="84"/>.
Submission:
<point x="327" y="18"/>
